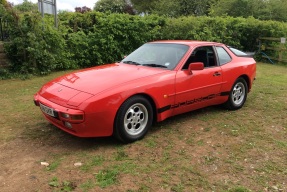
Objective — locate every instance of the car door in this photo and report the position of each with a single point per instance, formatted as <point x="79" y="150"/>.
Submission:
<point x="201" y="87"/>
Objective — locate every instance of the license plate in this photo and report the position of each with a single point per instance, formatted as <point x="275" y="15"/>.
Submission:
<point x="47" y="110"/>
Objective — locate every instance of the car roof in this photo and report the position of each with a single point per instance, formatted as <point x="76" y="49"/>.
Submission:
<point x="187" y="42"/>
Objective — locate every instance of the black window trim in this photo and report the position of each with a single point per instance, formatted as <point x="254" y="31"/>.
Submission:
<point x="218" y="55"/>
<point x="216" y="60"/>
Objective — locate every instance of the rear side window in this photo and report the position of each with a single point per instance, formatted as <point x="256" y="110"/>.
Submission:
<point x="223" y="56"/>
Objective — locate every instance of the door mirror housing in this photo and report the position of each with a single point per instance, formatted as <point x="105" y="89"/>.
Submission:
<point x="195" y="67"/>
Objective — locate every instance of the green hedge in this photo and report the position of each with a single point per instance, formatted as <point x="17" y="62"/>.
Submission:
<point x="238" y="32"/>
<point x="35" y="47"/>
<point x="93" y="38"/>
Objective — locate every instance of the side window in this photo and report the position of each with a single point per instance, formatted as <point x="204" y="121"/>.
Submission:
<point x="202" y="54"/>
<point x="223" y="56"/>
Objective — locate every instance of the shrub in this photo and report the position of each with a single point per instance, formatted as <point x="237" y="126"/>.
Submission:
<point x="238" y="32"/>
<point x="93" y="38"/>
<point x="35" y="47"/>
<point x="109" y="37"/>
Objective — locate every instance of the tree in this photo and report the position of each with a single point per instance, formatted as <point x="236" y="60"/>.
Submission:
<point x="165" y="7"/>
<point x="114" y="6"/>
<point x="173" y="8"/>
<point x="259" y="9"/>
<point x="83" y="9"/>
<point x="277" y="10"/>
<point x="194" y="7"/>
<point x="145" y="6"/>
<point x="234" y="8"/>
<point x="27" y="6"/>
<point x="8" y="13"/>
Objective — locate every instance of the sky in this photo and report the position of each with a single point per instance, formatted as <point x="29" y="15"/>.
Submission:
<point x="65" y="4"/>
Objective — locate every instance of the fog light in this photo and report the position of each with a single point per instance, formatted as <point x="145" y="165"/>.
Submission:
<point x="65" y="115"/>
<point x="68" y="125"/>
<point x="77" y="117"/>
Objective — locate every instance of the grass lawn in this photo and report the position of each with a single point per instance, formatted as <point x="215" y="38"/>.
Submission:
<point x="211" y="149"/>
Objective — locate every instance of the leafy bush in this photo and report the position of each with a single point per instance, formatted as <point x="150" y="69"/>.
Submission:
<point x="93" y="38"/>
<point x="238" y="32"/>
<point x="36" y="48"/>
<point x="97" y="38"/>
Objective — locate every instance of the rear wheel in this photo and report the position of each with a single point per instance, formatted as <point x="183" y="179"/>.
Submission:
<point x="237" y="95"/>
<point x="133" y="119"/>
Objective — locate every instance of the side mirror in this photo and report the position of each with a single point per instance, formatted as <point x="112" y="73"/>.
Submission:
<point x="195" y="67"/>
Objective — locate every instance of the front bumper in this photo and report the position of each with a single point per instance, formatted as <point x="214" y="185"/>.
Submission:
<point x="92" y="125"/>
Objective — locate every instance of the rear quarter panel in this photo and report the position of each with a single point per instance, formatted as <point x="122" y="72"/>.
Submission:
<point x="238" y="67"/>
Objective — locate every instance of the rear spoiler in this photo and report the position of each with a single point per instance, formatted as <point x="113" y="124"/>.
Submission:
<point x="239" y="53"/>
<point x="248" y="54"/>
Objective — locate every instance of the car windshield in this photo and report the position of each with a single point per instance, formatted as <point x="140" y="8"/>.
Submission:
<point x="161" y="55"/>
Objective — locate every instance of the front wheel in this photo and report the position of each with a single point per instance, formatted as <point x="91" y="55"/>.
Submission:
<point x="133" y="120"/>
<point x="237" y="95"/>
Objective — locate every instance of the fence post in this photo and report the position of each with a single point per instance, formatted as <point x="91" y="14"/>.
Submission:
<point x="280" y="54"/>
<point x="281" y="48"/>
<point x="1" y="30"/>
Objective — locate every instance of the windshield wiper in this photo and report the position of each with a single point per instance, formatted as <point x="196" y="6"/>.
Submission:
<point x="131" y="62"/>
<point x="155" y="65"/>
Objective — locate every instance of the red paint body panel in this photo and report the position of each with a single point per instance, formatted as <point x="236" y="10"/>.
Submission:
<point x="99" y="92"/>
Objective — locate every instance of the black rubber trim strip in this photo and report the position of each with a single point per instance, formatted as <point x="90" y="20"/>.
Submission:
<point x="168" y="107"/>
<point x="224" y="93"/>
<point x="163" y="109"/>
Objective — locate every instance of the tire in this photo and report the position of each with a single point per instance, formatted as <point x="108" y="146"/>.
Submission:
<point x="133" y="119"/>
<point x="237" y="95"/>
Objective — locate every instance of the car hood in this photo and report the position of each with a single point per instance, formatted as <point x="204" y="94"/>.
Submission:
<point x="81" y="85"/>
<point x="98" y="79"/>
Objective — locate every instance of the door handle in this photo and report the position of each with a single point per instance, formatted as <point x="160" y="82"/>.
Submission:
<point x="216" y="74"/>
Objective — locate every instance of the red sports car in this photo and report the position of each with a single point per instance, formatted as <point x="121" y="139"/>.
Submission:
<point x="158" y="80"/>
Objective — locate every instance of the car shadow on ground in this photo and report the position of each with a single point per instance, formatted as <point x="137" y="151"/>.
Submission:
<point x="50" y="136"/>
<point x="188" y="116"/>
